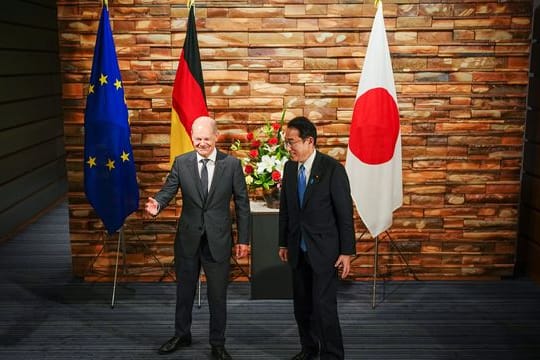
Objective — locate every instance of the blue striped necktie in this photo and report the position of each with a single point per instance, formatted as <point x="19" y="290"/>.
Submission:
<point x="301" y="191"/>
<point x="301" y="184"/>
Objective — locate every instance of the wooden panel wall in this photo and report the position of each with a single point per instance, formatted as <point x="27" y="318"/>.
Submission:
<point x="461" y="71"/>
<point x="32" y="155"/>
<point x="529" y="220"/>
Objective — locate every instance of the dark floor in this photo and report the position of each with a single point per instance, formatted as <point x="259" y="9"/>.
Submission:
<point x="45" y="314"/>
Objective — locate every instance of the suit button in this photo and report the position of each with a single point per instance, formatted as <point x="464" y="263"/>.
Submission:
<point x="200" y="227"/>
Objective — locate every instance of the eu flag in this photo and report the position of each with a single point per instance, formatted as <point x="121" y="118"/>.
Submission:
<point x="110" y="180"/>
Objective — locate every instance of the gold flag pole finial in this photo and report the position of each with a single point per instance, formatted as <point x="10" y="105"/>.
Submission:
<point x="376" y="2"/>
<point x="190" y="3"/>
<point x="106" y="3"/>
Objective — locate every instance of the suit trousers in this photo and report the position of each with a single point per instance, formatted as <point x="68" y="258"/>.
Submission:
<point x="315" y="309"/>
<point x="217" y="281"/>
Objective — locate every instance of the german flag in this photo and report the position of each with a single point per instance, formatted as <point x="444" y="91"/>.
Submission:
<point x="188" y="98"/>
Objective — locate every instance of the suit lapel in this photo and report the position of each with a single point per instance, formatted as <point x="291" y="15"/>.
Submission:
<point x="293" y="178"/>
<point x="219" y="169"/>
<point x="196" y="176"/>
<point x="314" y="177"/>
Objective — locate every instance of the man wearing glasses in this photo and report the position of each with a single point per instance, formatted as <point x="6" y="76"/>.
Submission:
<point x="316" y="237"/>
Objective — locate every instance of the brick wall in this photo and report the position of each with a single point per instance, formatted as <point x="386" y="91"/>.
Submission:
<point x="461" y="72"/>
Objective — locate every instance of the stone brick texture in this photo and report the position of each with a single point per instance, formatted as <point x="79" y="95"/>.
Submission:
<point x="461" y="73"/>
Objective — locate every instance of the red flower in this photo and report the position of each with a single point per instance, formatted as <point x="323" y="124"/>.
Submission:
<point x="265" y="142"/>
<point x="255" y="143"/>
<point x="253" y="153"/>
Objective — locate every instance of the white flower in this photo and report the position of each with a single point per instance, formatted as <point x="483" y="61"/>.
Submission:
<point x="271" y="148"/>
<point x="281" y="164"/>
<point x="249" y="180"/>
<point x="267" y="164"/>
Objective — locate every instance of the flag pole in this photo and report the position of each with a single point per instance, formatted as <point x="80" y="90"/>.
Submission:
<point x="375" y="265"/>
<point x="120" y="240"/>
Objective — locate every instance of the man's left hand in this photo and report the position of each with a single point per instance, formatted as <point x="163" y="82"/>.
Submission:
<point x="344" y="263"/>
<point x="241" y="250"/>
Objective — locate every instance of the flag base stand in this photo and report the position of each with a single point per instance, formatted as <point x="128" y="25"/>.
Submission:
<point x="121" y="266"/>
<point x="122" y="244"/>
<point x="236" y="271"/>
<point x="407" y="267"/>
<point x="235" y="266"/>
<point x="121" y="269"/>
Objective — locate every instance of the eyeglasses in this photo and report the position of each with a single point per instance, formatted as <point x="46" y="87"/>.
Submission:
<point x="289" y="143"/>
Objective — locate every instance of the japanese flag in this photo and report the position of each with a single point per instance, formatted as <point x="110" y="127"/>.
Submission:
<point x="374" y="154"/>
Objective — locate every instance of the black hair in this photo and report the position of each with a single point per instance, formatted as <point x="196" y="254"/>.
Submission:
<point x="305" y="128"/>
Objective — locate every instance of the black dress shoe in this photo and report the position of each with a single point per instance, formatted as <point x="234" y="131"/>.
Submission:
<point x="219" y="353"/>
<point x="174" y="343"/>
<point x="305" y="355"/>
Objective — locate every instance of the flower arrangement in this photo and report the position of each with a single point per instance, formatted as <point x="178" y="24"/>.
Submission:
<point x="267" y="155"/>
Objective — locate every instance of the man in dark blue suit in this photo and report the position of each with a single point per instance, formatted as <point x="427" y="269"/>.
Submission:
<point x="316" y="237"/>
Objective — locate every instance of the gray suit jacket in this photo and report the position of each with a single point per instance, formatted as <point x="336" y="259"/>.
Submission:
<point x="214" y="216"/>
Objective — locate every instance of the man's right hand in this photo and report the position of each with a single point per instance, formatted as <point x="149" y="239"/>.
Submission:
<point x="152" y="206"/>
<point x="283" y="251"/>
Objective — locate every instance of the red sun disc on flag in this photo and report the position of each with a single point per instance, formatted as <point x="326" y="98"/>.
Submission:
<point x="374" y="127"/>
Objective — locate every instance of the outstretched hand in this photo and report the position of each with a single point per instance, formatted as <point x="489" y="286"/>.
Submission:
<point x="151" y="206"/>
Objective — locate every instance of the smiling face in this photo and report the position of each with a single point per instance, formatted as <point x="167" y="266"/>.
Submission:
<point x="204" y="135"/>
<point x="299" y="149"/>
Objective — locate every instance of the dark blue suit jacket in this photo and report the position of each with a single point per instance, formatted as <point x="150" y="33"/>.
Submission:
<point x="325" y="218"/>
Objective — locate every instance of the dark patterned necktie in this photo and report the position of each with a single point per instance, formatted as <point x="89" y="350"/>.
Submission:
<point x="204" y="178"/>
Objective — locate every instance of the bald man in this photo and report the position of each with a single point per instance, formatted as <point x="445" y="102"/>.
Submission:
<point x="208" y="179"/>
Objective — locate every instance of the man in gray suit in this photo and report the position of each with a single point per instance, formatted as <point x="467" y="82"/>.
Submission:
<point x="208" y="179"/>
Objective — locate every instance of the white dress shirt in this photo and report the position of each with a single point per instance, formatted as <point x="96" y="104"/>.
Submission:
<point x="308" y="164"/>
<point x="210" y="166"/>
